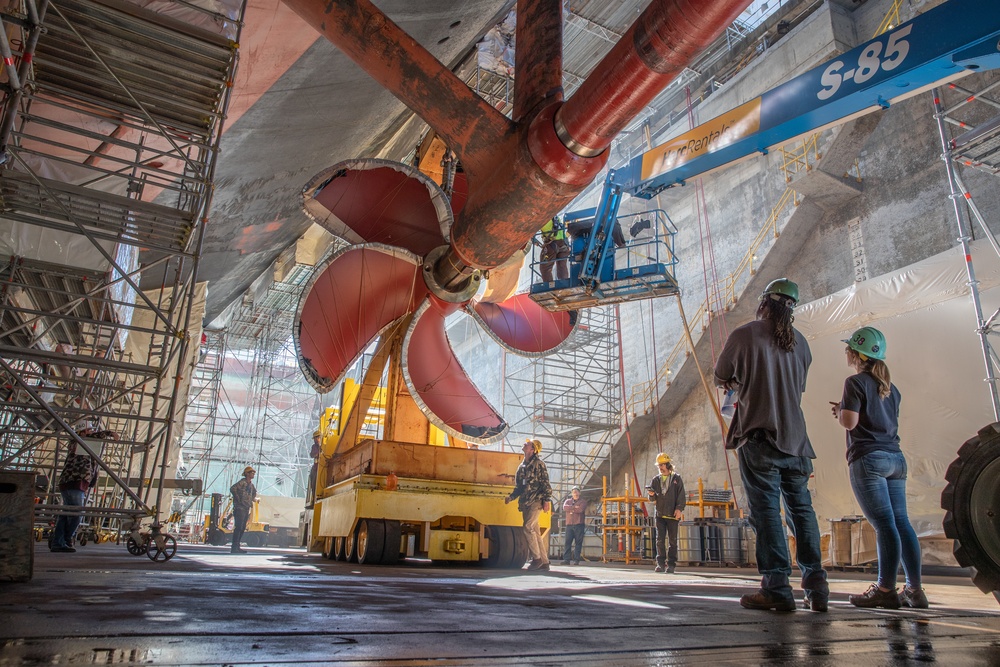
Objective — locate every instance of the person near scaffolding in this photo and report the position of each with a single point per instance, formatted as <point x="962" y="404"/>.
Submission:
<point x="244" y="493"/>
<point x="666" y="490"/>
<point x="79" y="473"/>
<point x="574" y="511"/>
<point x="534" y="495"/>
<point x="555" y="250"/>
<point x="314" y="452"/>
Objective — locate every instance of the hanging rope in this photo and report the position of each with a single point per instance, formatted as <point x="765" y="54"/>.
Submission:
<point x="628" y="434"/>
<point x="711" y="394"/>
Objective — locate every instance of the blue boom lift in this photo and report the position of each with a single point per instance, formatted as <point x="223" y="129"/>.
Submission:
<point x="953" y="39"/>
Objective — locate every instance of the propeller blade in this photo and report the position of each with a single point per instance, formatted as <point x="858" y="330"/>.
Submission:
<point x="522" y="326"/>
<point x="439" y="384"/>
<point x="351" y="299"/>
<point x="379" y="201"/>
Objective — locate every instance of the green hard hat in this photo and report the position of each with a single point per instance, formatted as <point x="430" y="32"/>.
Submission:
<point x="784" y="287"/>
<point x="868" y="342"/>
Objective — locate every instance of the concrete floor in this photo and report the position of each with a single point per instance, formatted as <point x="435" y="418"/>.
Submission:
<point x="282" y="606"/>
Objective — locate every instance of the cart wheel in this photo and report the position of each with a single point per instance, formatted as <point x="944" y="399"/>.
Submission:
<point x="501" y="547"/>
<point x="83" y="540"/>
<point x="134" y="547"/>
<point x="339" y="548"/>
<point x="161" y="548"/>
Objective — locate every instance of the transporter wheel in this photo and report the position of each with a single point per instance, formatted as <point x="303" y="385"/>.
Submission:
<point x="371" y="541"/>
<point x="521" y="551"/>
<point x="340" y="548"/>
<point x="501" y="546"/>
<point x="328" y="548"/>
<point x="351" y="546"/>
<point x="972" y="505"/>
<point x="393" y="538"/>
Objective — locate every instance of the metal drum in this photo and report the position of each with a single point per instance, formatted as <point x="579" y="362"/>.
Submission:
<point x="689" y="542"/>
<point x="732" y="543"/>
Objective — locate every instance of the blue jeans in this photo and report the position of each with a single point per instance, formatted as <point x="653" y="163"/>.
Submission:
<point x="879" y="483"/>
<point x="67" y="524"/>
<point x="574" y="542"/>
<point x="770" y="477"/>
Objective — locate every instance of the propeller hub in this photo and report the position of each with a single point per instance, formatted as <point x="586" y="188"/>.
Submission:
<point x="449" y="279"/>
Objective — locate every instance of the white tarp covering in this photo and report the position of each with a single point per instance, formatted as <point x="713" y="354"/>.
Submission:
<point x="935" y="359"/>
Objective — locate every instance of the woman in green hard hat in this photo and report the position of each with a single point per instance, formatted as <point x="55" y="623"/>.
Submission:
<point x="869" y="411"/>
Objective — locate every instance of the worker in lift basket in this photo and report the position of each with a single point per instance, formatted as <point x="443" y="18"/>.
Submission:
<point x="555" y="250"/>
<point x="534" y="494"/>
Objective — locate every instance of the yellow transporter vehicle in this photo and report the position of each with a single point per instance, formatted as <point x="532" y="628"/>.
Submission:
<point x="415" y="491"/>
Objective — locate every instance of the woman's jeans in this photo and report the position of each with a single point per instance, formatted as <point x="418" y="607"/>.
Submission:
<point x="879" y="483"/>
<point x="67" y="524"/>
<point x="771" y="477"/>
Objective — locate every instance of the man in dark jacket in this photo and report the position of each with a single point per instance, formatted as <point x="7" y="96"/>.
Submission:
<point x="766" y="362"/>
<point x="244" y="493"/>
<point x="534" y="495"/>
<point x="78" y="474"/>
<point x="666" y="489"/>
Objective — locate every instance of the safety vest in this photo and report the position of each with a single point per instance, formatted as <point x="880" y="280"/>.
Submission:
<point x="553" y="230"/>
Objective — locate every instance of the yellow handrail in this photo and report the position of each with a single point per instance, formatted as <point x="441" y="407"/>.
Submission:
<point x="891" y="19"/>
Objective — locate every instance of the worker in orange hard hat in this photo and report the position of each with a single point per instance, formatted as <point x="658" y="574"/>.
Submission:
<point x="244" y="493"/>
<point x="534" y="494"/>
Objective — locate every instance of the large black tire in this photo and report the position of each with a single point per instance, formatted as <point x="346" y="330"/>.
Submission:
<point x="351" y="546"/>
<point x="393" y="538"/>
<point x="972" y="505"/>
<point x="371" y="541"/>
<point x="329" y="548"/>
<point x="521" y="551"/>
<point x="501" y="547"/>
<point x="340" y="548"/>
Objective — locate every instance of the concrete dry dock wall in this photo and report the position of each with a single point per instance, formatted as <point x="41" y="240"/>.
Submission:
<point x="902" y="213"/>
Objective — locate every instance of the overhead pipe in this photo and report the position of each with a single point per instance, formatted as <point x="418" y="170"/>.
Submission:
<point x="664" y="40"/>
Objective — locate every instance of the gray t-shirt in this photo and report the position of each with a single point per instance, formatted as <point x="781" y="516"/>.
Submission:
<point x="771" y="383"/>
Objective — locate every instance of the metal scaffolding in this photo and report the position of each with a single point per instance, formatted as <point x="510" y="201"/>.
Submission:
<point x="111" y="118"/>
<point x="263" y="414"/>
<point x="571" y="398"/>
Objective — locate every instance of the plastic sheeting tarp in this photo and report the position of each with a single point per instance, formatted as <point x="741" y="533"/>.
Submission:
<point x="935" y="359"/>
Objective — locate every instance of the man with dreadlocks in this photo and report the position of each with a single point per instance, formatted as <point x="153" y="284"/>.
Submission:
<point x="766" y="362"/>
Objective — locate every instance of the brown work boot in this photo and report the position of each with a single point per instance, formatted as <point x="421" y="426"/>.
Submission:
<point x="765" y="601"/>
<point x="876" y="597"/>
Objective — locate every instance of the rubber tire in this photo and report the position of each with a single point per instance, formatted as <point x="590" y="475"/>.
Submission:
<point x="501" y="547"/>
<point x="972" y="518"/>
<point x="340" y="548"/>
<point x="521" y="551"/>
<point x="393" y="538"/>
<point x="351" y="546"/>
<point x="329" y="551"/>
<point x="217" y="538"/>
<point x="371" y="541"/>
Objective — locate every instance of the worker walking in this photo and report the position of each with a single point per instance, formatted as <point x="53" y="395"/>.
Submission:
<point x="574" y="511"/>
<point x="78" y="474"/>
<point x="666" y="490"/>
<point x="534" y="495"/>
<point x="766" y="363"/>
<point x="244" y="493"/>
<point x="869" y="410"/>
<point x="555" y="250"/>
